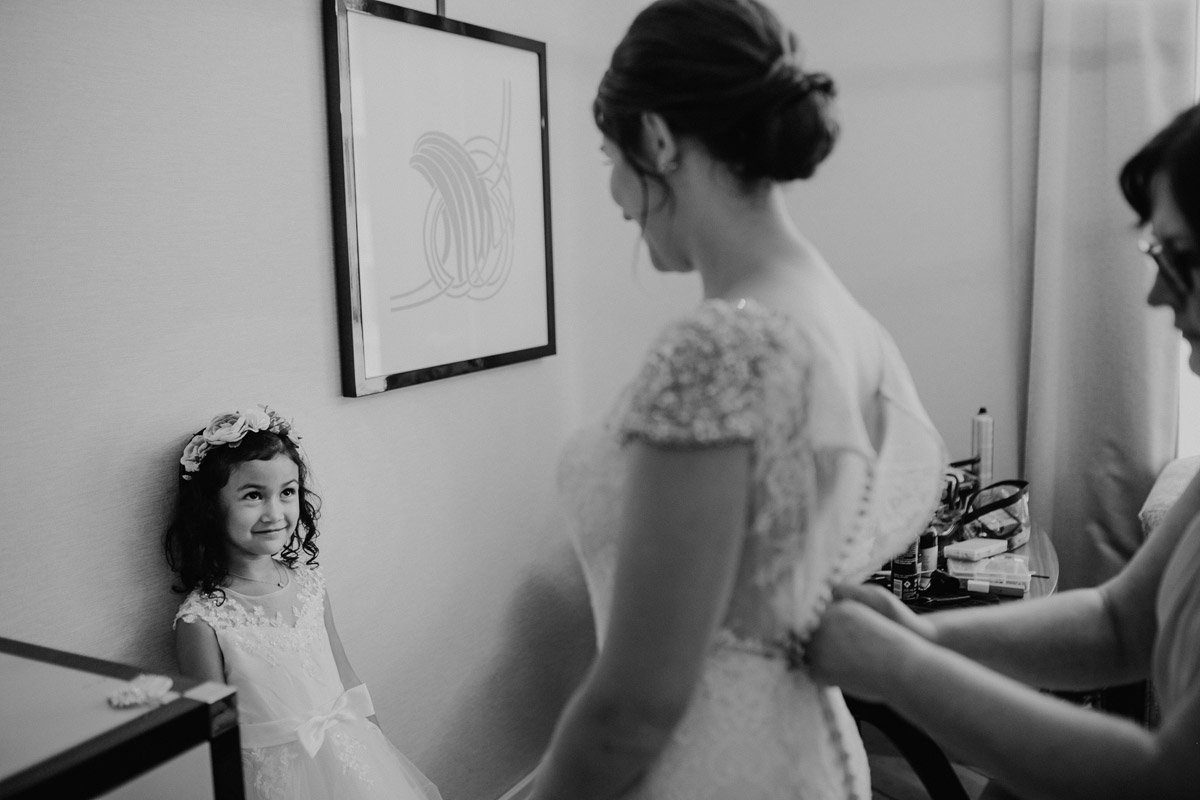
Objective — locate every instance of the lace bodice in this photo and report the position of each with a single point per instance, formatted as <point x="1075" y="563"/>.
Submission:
<point x="826" y="504"/>
<point x="303" y="735"/>
<point x="273" y="640"/>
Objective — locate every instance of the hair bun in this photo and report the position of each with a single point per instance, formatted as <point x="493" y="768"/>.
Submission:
<point x="817" y="82"/>
<point x="797" y="129"/>
<point x="725" y="72"/>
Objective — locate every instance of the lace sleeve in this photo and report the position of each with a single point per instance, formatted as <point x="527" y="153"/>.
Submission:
<point x="196" y="607"/>
<point x="311" y="578"/>
<point x="702" y="383"/>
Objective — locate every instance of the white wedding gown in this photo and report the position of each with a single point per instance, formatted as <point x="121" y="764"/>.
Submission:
<point x="827" y="505"/>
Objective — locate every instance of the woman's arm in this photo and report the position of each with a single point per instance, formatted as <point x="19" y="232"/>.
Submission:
<point x="1067" y="641"/>
<point x="676" y="563"/>
<point x="1037" y="745"/>
<point x="1077" y="639"/>
<point x="198" y="652"/>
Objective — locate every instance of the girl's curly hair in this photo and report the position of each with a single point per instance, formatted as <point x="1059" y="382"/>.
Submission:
<point x="194" y="542"/>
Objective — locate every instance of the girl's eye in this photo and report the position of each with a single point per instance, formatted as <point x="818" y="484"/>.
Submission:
<point x="289" y="492"/>
<point x="251" y="496"/>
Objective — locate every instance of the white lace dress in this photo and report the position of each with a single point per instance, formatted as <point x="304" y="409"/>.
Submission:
<point x="302" y="736"/>
<point x="826" y="506"/>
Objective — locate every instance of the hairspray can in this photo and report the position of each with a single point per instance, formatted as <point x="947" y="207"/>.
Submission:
<point x="981" y="445"/>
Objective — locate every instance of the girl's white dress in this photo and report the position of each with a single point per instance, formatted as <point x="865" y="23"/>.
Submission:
<point x="303" y="737"/>
<point x="837" y="489"/>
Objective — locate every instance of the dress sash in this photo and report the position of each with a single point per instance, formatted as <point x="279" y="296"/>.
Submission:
<point x="350" y="705"/>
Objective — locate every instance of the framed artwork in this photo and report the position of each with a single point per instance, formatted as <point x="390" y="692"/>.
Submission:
<point x="441" y="195"/>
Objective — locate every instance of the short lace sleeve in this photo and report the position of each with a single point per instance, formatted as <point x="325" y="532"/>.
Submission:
<point x="198" y="607"/>
<point x="702" y="382"/>
<point x="311" y="578"/>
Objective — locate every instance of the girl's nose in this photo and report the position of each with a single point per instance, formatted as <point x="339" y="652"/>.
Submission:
<point x="272" y="510"/>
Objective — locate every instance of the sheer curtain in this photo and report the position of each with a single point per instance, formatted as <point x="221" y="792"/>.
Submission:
<point x="1094" y="79"/>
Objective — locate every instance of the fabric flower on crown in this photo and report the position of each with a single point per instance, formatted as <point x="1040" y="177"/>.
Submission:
<point x="193" y="454"/>
<point x="259" y="418"/>
<point x="228" y="430"/>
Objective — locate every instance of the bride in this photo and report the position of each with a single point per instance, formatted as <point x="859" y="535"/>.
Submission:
<point x="771" y="445"/>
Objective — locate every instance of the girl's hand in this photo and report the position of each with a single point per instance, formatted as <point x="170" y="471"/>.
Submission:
<point x="886" y="603"/>
<point x="857" y="649"/>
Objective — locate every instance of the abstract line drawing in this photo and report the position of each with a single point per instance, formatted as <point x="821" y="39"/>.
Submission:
<point x="469" y="221"/>
<point x="439" y="147"/>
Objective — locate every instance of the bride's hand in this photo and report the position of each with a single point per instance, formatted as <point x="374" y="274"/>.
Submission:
<point x="886" y="603"/>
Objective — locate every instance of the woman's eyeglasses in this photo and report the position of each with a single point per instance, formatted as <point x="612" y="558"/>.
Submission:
<point x="1177" y="275"/>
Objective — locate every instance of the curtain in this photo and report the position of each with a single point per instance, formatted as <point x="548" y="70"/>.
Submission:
<point x="1093" y="80"/>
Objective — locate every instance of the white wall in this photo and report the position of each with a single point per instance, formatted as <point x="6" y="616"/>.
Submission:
<point x="166" y="248"/>
<point x="912" y="207"/>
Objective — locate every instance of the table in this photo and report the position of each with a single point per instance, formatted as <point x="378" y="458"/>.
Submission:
<point x="61" y="738"/>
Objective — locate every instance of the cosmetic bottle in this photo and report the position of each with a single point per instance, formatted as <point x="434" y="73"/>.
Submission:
<point x="981" y="445"/>
<point x="906" y="569"/>
<point x="927" y="551"/>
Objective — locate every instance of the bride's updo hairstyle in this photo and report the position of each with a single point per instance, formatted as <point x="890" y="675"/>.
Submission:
<point x="724" y="73"/>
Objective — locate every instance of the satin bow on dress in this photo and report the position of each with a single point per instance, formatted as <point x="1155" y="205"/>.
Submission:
<point x="350" y="705"/>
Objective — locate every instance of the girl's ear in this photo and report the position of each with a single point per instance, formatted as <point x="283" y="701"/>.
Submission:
<point x="659" y="144"/>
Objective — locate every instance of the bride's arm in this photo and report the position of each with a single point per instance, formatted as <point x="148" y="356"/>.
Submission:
<point x="676" y="563"/>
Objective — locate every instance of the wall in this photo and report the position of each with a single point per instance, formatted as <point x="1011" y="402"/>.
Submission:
<point x="912" y="208"/>
<point x="166" y="248"/>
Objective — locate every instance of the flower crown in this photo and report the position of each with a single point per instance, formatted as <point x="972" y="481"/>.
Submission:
<point x="228" y="430"/>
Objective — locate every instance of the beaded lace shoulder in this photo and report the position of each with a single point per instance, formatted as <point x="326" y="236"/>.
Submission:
<point x="706" y="378"/>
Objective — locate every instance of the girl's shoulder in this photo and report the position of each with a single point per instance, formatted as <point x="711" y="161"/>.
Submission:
<point x="309" y="577"/>
<point x="209" y="608"/>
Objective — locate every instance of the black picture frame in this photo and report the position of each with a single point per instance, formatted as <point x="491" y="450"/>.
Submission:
<point x="440" y="175"/>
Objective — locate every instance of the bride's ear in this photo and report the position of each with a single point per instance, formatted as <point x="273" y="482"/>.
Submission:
<point x="659" y="144"/>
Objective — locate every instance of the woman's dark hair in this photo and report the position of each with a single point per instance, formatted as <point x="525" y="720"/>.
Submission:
<point x="721" y="72"/>
<point x="1175" y="153"/>
<point x="195" y="540"/>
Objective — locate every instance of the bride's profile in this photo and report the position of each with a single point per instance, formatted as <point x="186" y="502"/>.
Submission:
<point x="771" y="445"/>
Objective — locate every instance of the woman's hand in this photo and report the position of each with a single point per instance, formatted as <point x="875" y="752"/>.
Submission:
<point x="886" y="603"/>
<point x="857" y="649"/>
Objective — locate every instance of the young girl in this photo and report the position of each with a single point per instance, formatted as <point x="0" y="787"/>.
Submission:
<point x="259" y="619"/>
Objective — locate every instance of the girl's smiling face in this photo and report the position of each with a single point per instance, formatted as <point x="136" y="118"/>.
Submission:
<point x="261" y="503"/>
